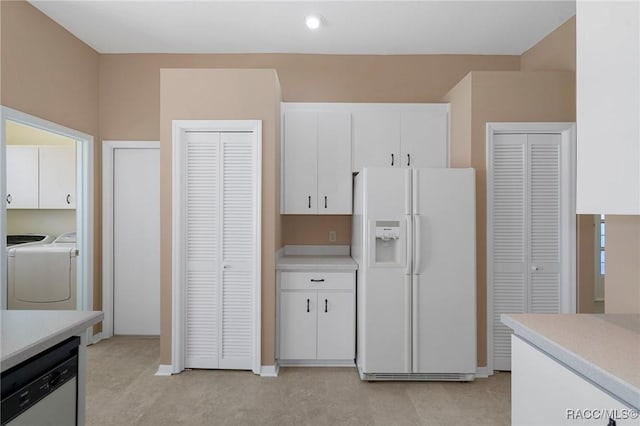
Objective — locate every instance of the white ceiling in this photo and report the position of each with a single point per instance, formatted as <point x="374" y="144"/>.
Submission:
<point x="351" y="27"/>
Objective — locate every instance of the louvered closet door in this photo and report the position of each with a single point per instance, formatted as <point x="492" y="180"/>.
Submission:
<point x="239" y="230"/>
<point x="509" y="182"/>
<point x="544" y="223"/>
<point x="221" y="250"/>
<point x="202" y="292"/>
<point x="526" y="231"/>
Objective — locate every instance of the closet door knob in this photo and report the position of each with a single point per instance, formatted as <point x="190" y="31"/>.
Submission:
<point x="9" y="198"/>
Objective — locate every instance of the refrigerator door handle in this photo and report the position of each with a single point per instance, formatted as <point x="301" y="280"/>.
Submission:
<point x="418" y="249"/>
<point x="409" y="244"/>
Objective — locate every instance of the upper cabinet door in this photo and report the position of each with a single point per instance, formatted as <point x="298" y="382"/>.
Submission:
<point x="58" y="177"/>
<point x="334" y="163"/>
<point x="608" y="107"/>
<point x="376" y="139"/>
<point x="22" y="177"/>
<point x="424" y="138"/>
<point x="300" y="157"/>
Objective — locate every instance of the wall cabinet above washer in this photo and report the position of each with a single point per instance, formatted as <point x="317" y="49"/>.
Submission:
<point x="41" y="177"/>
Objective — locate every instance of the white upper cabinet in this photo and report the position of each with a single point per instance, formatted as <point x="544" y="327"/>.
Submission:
<point x="41" y="177"/>
<point x="334" y="163"/>
<point x="400" y="135"/>
<point x="376" y="139"/>
<point x="608" y="107"/>
<point x="22" y="177"/>
<point x="300" y="171"/>
<point x="57" y="177"/>
<point x="316" y="170"/>
<point x="423" y="138"/>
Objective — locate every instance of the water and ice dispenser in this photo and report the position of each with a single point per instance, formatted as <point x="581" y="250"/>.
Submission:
<point x="388" y="245"/>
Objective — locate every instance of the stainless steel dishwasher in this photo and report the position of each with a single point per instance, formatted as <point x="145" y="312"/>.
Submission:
<point x="42" y="391"/>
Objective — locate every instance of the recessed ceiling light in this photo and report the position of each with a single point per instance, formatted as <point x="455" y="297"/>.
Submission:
<point x="313" y="21"/>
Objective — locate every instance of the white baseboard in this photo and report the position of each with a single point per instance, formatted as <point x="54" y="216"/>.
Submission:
<point x="483" y="372"/>
<point x="269" y="370"/>
<point x="164" y="370"/>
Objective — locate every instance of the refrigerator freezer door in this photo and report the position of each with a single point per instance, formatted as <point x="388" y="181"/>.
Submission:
<point x="444" y="280"/>
<point x="384" y="285"/>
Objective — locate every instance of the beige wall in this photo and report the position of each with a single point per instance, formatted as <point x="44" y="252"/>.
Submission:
<point x="208" y="94"/>
<point x="495" y="97"/>
<point x="622" y="279"/>
<point x="556" y="52"/>
<point x="314" y="230"/>
<point x="586" y="267"/>
<point x="49" y="73"/>
<point x="46" y="71"/>
<point x="460" y="113"/>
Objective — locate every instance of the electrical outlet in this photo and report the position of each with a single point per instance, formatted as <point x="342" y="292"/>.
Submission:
<point x="332" y="236"/>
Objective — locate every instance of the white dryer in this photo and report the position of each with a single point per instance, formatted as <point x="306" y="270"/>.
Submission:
<point x="43" y="276"/>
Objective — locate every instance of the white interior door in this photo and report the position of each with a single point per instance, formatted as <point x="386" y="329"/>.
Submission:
<point x="136" y="241"/>
<point x="444" y="280"/>
<point x="529" y="251"/>
<point x="221" y="249"/>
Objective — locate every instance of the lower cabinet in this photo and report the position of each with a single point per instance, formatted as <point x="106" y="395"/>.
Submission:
<point x="317" y="317"/>
<point x="546" y="392"/>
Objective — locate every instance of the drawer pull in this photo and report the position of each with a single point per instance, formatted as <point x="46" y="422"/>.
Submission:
<point x="325" y="305"/>
<point x="308" y="305"/>
<point x="317" y="281"/>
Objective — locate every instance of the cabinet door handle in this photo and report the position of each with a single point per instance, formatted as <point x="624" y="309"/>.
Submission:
<point x="9" y="198"/>
<point x="392" y="160"/>
<point x="408" y="159"/>
<point x="325" y="201"/>
<point x="317" y="281"/>
<point x="326" y="309"/>
<point x="68" y="198"/>
<point x="308" y="301"/>
<point x="309" y="201"/>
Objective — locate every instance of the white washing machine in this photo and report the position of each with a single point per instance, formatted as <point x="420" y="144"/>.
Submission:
<point x="43" y="276"/>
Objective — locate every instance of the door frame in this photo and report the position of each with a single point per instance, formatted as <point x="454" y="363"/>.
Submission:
<point x="108" y="150"/>
<point x="178" y="247"/>
<point x="568" y="292"/>
<point x="84" y="205"/>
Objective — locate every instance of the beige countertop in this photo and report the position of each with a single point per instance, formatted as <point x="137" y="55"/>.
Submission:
<point x="604" y="348"/>
<point x="27" y="333"/>
<point x="315" y="263"/>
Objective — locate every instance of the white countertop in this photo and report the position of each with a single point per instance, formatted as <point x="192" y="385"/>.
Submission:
<point x="316" y="263"/>
<point x="604" y="348"/>
<point x="27" y="333"/>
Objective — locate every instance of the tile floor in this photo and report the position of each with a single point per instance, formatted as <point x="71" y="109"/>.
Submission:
<point x="122" y="390"/>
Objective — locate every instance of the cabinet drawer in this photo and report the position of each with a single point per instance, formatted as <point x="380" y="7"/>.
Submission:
<point x="317" y="280"/>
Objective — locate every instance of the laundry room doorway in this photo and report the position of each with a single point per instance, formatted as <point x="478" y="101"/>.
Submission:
<point x="47" y="214"/>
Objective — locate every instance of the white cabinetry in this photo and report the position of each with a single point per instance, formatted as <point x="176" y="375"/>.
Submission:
<point x="317" y="162"/>
<point x="546" y="392"/>
<point x="57" y="177"/>
<point x="41" y="177"/>
<point x="317" y="318"/>
<point x="608" y="107"/>
<point x="400" y="135"/>
<point x="22" y="177"/>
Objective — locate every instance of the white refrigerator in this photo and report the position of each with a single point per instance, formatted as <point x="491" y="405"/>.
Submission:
<point x="414" y="239"/>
